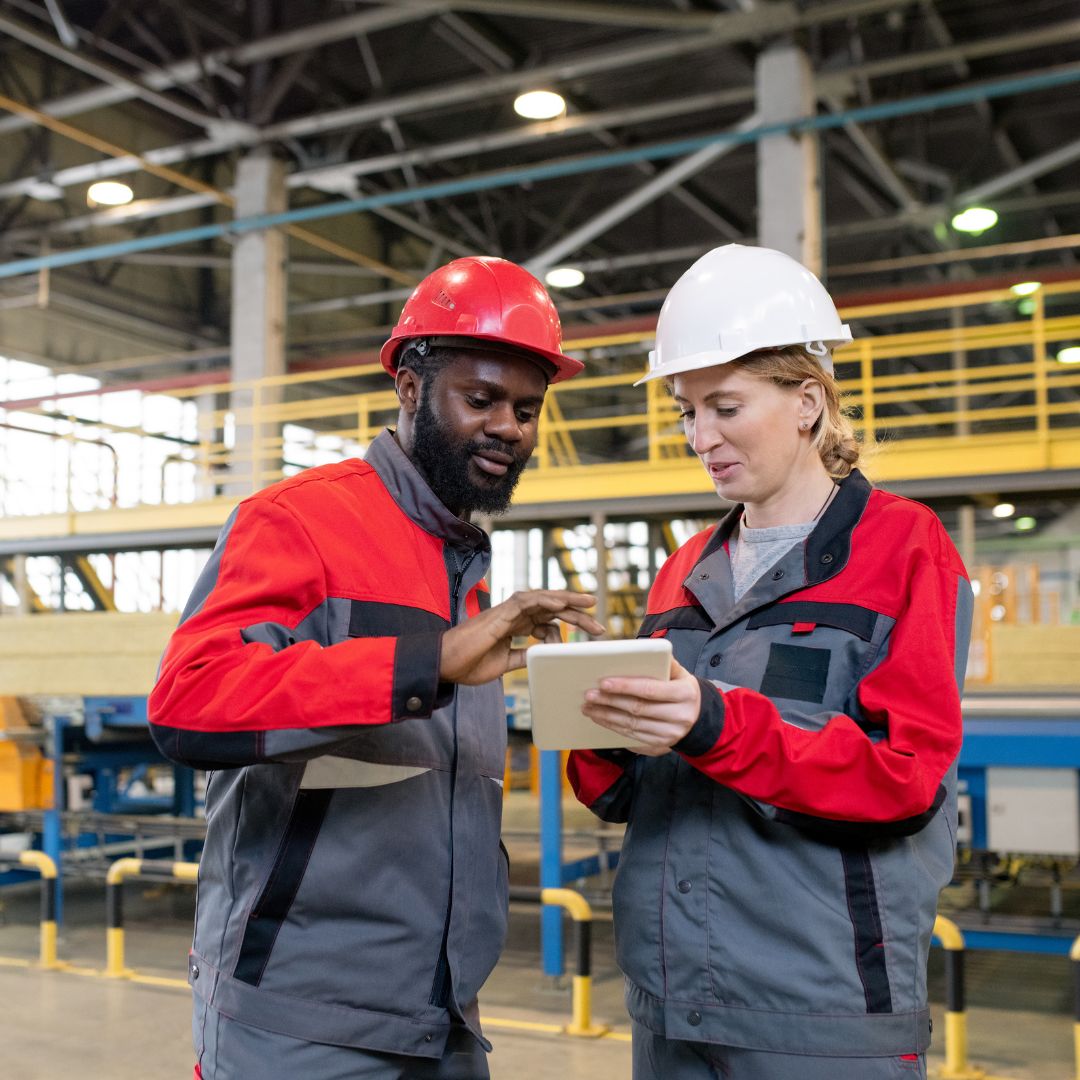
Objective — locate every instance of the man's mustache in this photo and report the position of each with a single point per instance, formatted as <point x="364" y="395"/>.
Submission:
<point x="497" y="446"/>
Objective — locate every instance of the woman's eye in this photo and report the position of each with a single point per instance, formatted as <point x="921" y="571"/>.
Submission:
<point x="726" y="412"/>
<point x="688" y="415"/>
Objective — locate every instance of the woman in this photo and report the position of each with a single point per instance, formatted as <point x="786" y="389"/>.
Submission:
<point x="791" y="806"/>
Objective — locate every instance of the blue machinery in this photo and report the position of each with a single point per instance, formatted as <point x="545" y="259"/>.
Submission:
<point x="112" y="737"/>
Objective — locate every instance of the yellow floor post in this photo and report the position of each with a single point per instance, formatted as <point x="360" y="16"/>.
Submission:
<point x="47" y="869"/>
<point x="581" y="986"/>
<point x="956" y="1065"/>
<point x="1074" y="956"/>
<point x="114" y="915"/>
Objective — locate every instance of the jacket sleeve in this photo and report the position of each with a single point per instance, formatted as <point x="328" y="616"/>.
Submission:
<point x="603" y="780"/>
<point x="250" y="674"/>
<point x="839" y="778"/>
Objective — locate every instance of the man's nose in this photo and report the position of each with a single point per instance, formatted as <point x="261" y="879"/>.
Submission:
<point x="502" y="423"/>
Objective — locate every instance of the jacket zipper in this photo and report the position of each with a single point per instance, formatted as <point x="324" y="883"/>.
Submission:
<point x="440" y="987"/>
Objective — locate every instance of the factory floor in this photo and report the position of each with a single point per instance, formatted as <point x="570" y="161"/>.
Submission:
<point x="61" y="1024"/>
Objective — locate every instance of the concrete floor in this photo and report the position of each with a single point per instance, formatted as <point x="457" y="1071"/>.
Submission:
<point x="56" y="1025"/>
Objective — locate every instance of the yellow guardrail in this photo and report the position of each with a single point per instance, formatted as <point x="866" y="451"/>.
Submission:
<point x="1074" y="956"/>
<point x="956" y="1065"/>
<point x="120" y="870"/>
<point x="578" y="908"/>
<point x="46" y="867"/>
<point x="981" y="377"/>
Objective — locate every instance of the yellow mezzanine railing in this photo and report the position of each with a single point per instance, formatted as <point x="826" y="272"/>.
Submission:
<point x="976" y="392"/>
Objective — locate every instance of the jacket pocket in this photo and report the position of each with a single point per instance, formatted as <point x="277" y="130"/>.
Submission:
<point x="809" y="651"/>
<point x="869" y="938"/>
<point x="277" y="895"/>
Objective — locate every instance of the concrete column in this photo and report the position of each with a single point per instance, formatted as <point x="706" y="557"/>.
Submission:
<point x="966" y="545"/>
<point x="521" y="559"/>
<point x="600" y="544"/>
<point x="789" y="179"/>
<point x="21" y="584"/>
<point x="258" y="316"/>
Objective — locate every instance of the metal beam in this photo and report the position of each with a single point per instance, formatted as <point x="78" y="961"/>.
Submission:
<point x="630" y="204"/>
<point x="774" y="18"/>
<point x="1063" y="76"/>
<point x="228" y="138"/>
<point x="1040" y="166"/>
<point x="189" y="70"/>
<point x="133" y="88"/>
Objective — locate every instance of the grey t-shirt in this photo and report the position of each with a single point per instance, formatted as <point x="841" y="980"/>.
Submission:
<point x="756" y="550"/>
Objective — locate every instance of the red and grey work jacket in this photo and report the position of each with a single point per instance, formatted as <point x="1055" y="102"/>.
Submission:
<point x="352" y="889"/>
<point x="779" y="877"/>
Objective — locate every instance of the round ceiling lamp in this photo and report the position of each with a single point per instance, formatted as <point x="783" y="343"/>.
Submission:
<point x="540" y="105"/>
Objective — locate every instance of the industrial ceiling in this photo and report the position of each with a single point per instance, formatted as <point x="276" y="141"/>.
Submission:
<point x="401" y="114"/>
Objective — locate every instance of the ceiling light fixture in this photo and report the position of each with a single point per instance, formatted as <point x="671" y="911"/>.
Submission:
<point x="975" y="220"/>
<point x="1025" y="524"/>
<point x="540" y="105"/>
<point x="1069" y="355"/>
<point x="1025" y="288"/>
<point x="1003" y="510"/>
<point x="564" y="277"/>
<point x="109" y="193"/>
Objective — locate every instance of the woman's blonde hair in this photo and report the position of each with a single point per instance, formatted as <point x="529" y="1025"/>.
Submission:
<point x="832" y="434"/>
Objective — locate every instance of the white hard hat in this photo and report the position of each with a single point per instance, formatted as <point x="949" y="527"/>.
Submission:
<point x="735" y="300"/>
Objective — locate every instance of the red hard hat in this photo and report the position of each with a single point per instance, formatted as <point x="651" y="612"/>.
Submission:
<point x="483" y="299"/>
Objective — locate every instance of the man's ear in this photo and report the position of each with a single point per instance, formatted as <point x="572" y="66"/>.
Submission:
<point x="407" y="384"/>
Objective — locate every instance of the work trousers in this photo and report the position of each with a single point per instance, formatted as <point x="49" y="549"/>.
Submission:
<point x="228" y="1050"/>
<point x="657" y="1058"/>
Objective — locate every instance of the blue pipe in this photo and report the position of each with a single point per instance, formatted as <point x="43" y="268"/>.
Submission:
<point x="551" y="170"/>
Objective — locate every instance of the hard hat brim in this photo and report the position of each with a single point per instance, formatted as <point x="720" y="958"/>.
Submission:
<point x="719" y="357"/>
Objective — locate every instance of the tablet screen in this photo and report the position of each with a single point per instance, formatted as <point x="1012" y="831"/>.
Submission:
<point x="559" y="676"/>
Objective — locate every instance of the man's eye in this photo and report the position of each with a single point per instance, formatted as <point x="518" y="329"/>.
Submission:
<point x="526" y="416"/>
<point x="477" y="402"/>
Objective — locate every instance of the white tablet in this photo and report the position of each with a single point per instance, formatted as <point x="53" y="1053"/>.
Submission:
<point x="560" y="674"/>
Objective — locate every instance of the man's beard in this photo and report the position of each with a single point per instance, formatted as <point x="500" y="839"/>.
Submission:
<point x="444" y="460"/>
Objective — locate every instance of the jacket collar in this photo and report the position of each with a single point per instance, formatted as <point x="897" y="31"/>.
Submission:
<point x="822" y="555"/>
<point x="413" y="494"/>
<point x="829" y="546"/>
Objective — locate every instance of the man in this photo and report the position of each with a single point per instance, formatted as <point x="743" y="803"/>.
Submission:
<point x="338" y="662"/>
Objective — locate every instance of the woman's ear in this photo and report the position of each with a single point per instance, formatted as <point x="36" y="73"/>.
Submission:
<point x="811" y="403"/>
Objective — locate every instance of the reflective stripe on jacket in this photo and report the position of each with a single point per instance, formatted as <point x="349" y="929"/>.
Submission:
<point x="779" y="877"/>
<point x="352" y="889"/>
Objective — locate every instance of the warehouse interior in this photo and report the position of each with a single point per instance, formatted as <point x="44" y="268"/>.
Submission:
<point x="210" y="217"/>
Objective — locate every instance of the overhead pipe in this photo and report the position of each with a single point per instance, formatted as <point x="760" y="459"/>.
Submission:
<point x="1062" y="76"/>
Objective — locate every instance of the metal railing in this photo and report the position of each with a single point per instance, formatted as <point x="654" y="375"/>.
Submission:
<point x="956" y="1065"/>
<point x="578" y="908"/>
<point x="158" y="869"/>
<point x="973" y="375"/>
